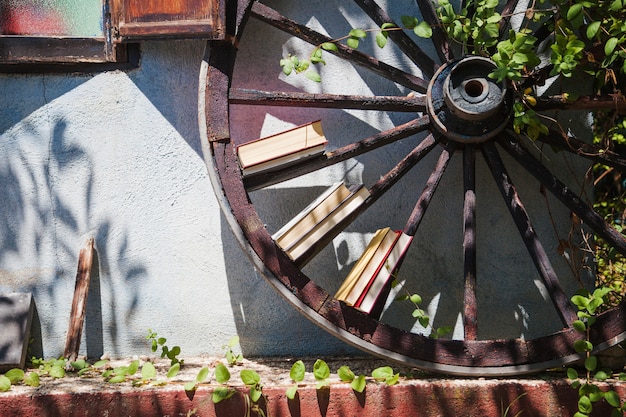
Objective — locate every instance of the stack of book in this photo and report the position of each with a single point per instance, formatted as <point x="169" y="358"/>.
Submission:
<point x="371" y="273"/>
<point x="285" y="148"/>
<point x="319" y="218"/>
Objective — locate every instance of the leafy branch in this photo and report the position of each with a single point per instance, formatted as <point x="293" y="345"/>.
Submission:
<point x="353" y="39"/>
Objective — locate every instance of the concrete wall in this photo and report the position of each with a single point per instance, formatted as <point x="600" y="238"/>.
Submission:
<point x="116" y="156"/>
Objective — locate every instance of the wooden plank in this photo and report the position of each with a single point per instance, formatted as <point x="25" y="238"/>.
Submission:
<point x="79" y="302"/>
<point x="16" y="315"/>
<point x="137" y="20"/>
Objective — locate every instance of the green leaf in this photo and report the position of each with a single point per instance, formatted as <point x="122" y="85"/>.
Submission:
<point x="297" y="371"/>
<point x="249" y="377"/>
<point x="579" y="325"/>
<point x="580" y="301"/>
<point x="79" y="364"/>
<point x="148" y="371"/>
<point x="32" y="379"/>
<point x="345" y="374"/>
<point x="171" y="373"/>
<point x="416" y="299"/>
<point x="203" y="374"/>
<point x="423" y="30"/>
<point x="381" y="39"/>
<point x="234" y="341"/>
<point x="222" y="374"/>
<point x="393" y="380"/>
<point x="100" y="363"/>
<point x="321" y="371"/>
<point x="352" y="43"/>
<point x="191" y="386"/>
<point x="117" y="379"/>
<point x="329" y="46"/>
<point x="616" y="5"/>
<point x="382" y="373"/>
<point x="57" y="371"/>
<point x="572" y="373"/>
<point x="612" y="399"/>
<point x="5" y="383"/>
<point x="601" y="376"/>
<point x="219" y="393"/>
<point x="610" y="46"/>
<point x="574" y="10"/>
<point x="358" y="384"/>
<point x="255" y="393"/>
<point x="357" y="33"/>
<point x="287" y="67"/>
<point x="409" y="22"/>
<point x="15" y="375"/>
<point x="592" y="29"/>
<point x="313" y="76"/>
<point x="292" y="391"/>
<point x="133" y="367"/>
<point x="584" y="404"/>
<point x="582" y="346"/>
<point x="591" y="363"/>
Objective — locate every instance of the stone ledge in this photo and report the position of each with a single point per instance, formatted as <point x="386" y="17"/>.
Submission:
<point x="549" y="396"/>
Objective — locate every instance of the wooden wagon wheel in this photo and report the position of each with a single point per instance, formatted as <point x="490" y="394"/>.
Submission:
<point x="458" y="112"/>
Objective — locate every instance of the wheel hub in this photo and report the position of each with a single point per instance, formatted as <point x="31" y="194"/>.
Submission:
<point x="466" y="105"/>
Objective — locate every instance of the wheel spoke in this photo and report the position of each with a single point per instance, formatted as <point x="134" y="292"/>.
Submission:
<point x="565" y="195"/>
<point x="412" y="158"/>
<point x="429" y="190"/>
<point x="470" y="322"/>
<point x="604" y="102"/>
<point x="404" y="42"/>
<point x="586" y="150"/>
<point x="413" y="103"/>
<point x="527" y="232"/>
<point x="275" y="19"/>
<point x="439" y="38"/>
<point x="506" y="14"/>
<point x="264" y="179"/>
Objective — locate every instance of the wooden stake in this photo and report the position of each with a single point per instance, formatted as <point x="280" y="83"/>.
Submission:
<point x="79" y="303"/>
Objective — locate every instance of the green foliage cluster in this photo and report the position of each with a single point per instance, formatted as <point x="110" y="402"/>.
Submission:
<point x="156" y="342"/>
<point x="610" y="202"/>
<point x="589" y="304"/>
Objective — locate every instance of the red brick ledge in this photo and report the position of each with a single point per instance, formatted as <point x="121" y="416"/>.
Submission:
<point x="428" y="398"/>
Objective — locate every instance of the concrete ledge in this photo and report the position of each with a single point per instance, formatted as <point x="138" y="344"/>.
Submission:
<point x="550" y="396"/>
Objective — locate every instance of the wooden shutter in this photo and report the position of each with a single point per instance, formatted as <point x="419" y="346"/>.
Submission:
<point x="157" y="19"/>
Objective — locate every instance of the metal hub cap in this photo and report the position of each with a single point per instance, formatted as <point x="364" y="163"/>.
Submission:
<point x="465" y="104"/>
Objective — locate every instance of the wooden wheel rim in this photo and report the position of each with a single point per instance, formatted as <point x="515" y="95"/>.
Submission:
<point x="458" y="357"/>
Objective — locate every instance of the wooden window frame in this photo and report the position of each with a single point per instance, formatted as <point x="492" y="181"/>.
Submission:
<point x="117" y="49"/>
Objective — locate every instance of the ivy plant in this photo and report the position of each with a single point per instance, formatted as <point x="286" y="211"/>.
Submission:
<point x="589" y="304"/>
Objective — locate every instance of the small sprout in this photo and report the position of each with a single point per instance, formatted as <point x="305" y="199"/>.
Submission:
<point x="358" y="384"/>
<point x="321" y="372"/>
<point x="296" y="374"/>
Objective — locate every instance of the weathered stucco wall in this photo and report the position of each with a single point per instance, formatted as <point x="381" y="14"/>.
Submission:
<point x="116" y="156"/>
